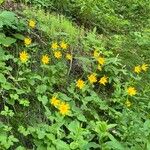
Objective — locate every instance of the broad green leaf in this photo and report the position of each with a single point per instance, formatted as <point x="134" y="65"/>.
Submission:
<point x="19" y="36"/>
<point x="60" y="145"/>
<point x="74" y="126"/>
<point x="41" y="89"/>
<point x="2" y="78"/>
<point x="41" y="134"/>
<point x="43" y="99"/>
<point x="7" y="18"/>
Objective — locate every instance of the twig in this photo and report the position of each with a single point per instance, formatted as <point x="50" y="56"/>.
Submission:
<point x="39" y="37"/>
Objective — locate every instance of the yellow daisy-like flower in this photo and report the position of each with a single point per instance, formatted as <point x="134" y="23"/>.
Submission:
<point x="80" y="84"/>
<point x="137" y="69"/>
<point x="144" y="67"/>
<point x="54" y="45"/>
<point x="103" y="80"/>
<point x="64" y="108"/>
<point x="128" y="103"/>
<point x="23" y="56"/>
<point x="63" y="45"/>
<point x="99" y="67"/>
<point x="68" y="56"/>
<point x="58" y="54"/>
<point x="92" y="78"/>
<point x="54" y="101"/>
<point x="31" y="23"/>
<point x="27" y="41"/>
<point x="101" y="60"/>
<point x="45" y="59"/>
<point x="96" y="53"/>
<point x="131" y="91"/>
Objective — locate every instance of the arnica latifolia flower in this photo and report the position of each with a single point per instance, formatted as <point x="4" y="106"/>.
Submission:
<point x="23" y="56"/>
<point x="31" y="23"/>
<point x="27" y="41"/>
<point x="101" y="60"/>
<point x="137" y="69"/>
<point x="144" y="67"/>
<point x="54" y="45"/>
<point x="131" y="91"/>
<point x="64" y="108"/>
<point x="92" y="78"/>
<point x="80" y="84"/>
<point x="103" y="80"/>
<point x="57" y="54"/>
<point x="128" y="103"/>
<point x="45" y="59"/>
<point x="54" y="101"/>
<point x="63" y="45"/>
<point x="68" y="56"/>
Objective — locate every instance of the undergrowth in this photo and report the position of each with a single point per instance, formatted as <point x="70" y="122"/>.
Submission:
<point x="64" y="87"/>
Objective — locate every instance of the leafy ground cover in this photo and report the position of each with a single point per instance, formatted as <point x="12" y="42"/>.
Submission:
<point x="64" y="86"/>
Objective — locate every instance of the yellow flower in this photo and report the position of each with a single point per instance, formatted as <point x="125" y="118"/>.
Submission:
<point x="137" y="69"/>
<point x="58" y="54"/>
<point x="64" y="108"/>
<point x="55" y="102"/>
<point x="68" y="56"/>
<point x="128" y="103"/>
<point x="131" y="91"/>
<point x="144" y="67"/>
<point x="92" y="78"/>
<point x="96" y="53"/>
<point x="63" y="45"/>
<point x="23" y="56"/>
<point x="54" y="45"/>
<point x="27" y="41"/>
<point x="31" y="23"/>
<point x="99" y="67"/>
<point x="80" y="84"/>
<point x="103" y="80"/>
<point x="45" y="59"/>
<point x="101" y="60"/>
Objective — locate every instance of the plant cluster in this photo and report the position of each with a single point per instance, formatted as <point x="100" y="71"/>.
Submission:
<point x="62" y="89"/>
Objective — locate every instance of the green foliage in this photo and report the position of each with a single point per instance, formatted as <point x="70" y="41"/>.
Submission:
<point x="124" y="23"/>
<point x="116" y="16"/>
<point x="6" y="140"/>
<point x="35" y="95"/>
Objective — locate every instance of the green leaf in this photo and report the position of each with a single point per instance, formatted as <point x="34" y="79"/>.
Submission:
<point x="2" y="53"/>
<point x="7" y="112"/>
<point x="61" y="145"/>
<point x="19" y="36"/>
<point x="20" y="148"/>
<point x="74" y="126"/>
<point x="92" y="145"/>
<point x="24" y="102"/>
<point x="14" y="96"/>
<point x="23" y="131"/>
<point x="43" y="99"/>
<point x="41" y="134"/>
<point x="1" y="1"/>
<point x="116" y="145"/>
<point x="7" y="86"/>
<point x="7" y="18"/>
<point x="74" y="145"/>
<point x="2" y="78"/>
<point x="6" y="41"/>
<point x="41" y="89"/>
